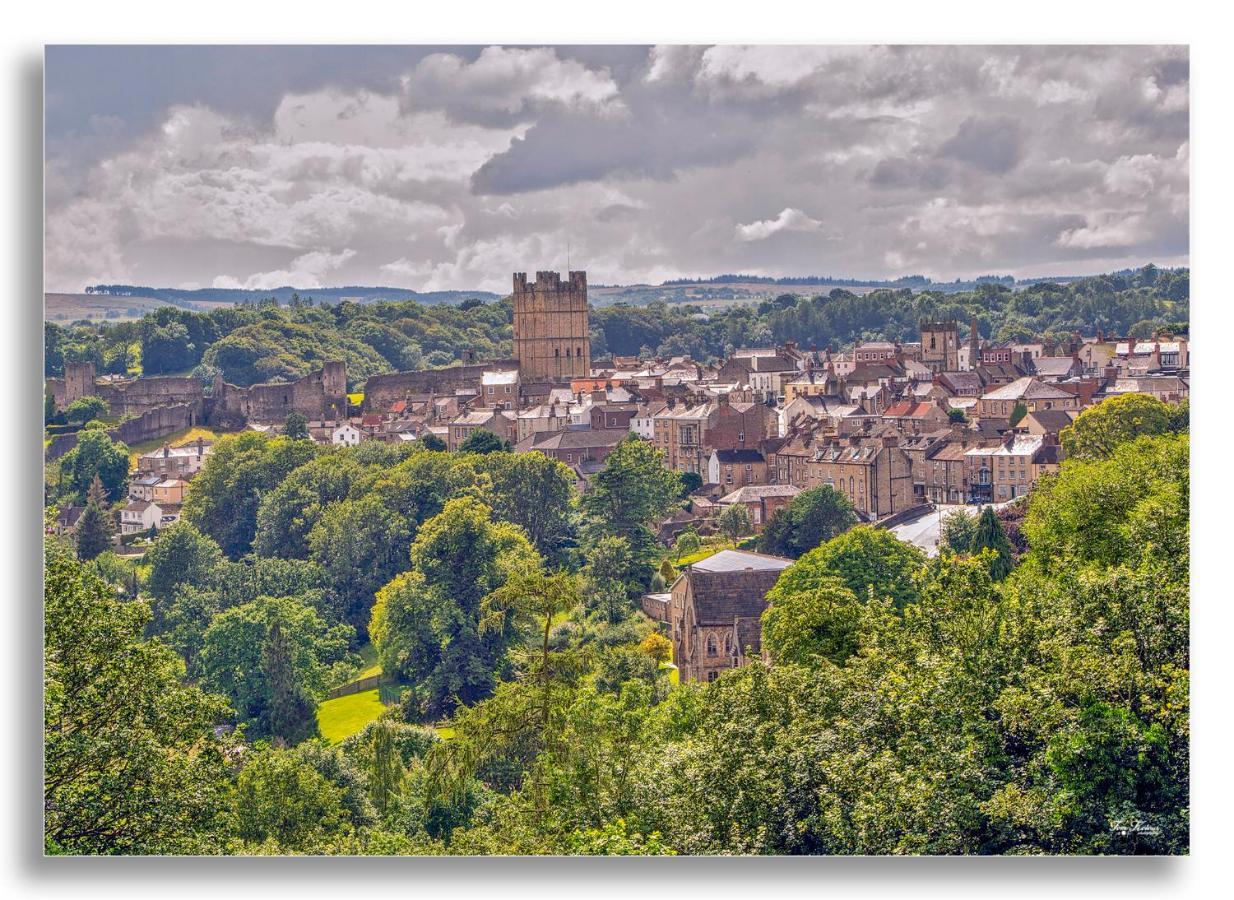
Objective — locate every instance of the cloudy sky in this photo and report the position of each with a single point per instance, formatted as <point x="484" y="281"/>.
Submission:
<point x="435" y="168"/>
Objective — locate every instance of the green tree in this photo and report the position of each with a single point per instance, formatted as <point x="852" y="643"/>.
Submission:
<point x="813" y="516"/>
<point x="536" y="493"/>
<point x="283" y="803"/>
<point x="233" y="655"/>
<point x="989" y="535"/>
<point x="687" y="543"/>
<point x="1098" y="430"/>
<point x="1018" y="412"/>
<point x="94" y="528"/>
<point x="385" y="766"/>
<point x="957" y="531"/>
<point x="807" y="624"/>
<point x="482" y="440"/>
<point x="632" y="493"/>
<point x="864" y="558"/>
<point x="1108" y="510"/>
<point x="96" y="454"/>
<point x="295" y="426"/>
<point x="426" y="623"/>
<point x="83" y="409"/>
<point x="735" y="522"/>
<point x="131" y="760"/>
<point x="289" y="512"/>
<point x="360" y="545"/>
<point x="227" y="491"/>
<point x="609" y="586"/>
<point x="289" y="706"/>
<point x="180" y="555"/>
<point x="526" y="718"/>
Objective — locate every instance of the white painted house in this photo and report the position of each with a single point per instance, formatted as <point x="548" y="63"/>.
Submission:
<point x="345" y="435"/>
<point x="139" y="515"/>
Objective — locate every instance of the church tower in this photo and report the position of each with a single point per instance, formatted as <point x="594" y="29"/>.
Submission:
<point x="551" y="338"/>
<point x="940" y="346"/>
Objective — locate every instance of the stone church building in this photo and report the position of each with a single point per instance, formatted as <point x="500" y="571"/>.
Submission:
<point x="714" y="611"/>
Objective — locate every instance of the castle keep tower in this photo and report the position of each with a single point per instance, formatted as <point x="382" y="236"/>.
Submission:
<point x="551" y="338"/>
<point x="940" y="346"/>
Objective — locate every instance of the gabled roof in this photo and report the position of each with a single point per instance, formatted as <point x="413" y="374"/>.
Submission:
<point x="1027" y="388"/>
<point x="1054" y="366"/>
<point x="732" y="585"/>
<point x="752" y="492"/>
<point x="1053" y="420"/>
<point x="582" y="439"/>
<point x="910" y="409"/>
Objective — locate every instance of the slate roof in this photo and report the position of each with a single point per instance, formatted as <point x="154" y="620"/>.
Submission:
<point x="1027" y="388"/>
<point x="1054" y="366"/>
<point x="733" y="584"/>
<point x="737" y="457"/>
<point x="1053" y="420"/>
<point x="573" y="440"/>
<point x="753" y="492"/>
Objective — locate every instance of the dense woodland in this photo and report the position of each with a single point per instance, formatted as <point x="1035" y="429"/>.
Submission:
<point x="1020" y="693"/>
<point x="266" y="341"/>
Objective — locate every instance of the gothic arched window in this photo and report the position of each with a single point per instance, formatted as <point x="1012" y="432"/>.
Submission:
<point x="711" y="645"/>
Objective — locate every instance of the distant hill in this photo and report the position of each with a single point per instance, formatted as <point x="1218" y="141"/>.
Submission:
<point x="130" y="301"/>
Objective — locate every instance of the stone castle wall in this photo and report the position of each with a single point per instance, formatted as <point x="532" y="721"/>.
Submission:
<point x="382" y="390"/>
<point x="317" y="396"/>
<point x="148" y="426"/>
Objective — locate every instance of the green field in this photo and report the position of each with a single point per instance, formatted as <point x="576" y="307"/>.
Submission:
<point x="342" y="717"/>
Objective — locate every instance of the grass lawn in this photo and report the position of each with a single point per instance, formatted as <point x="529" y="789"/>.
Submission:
<point x="176" y="440"/>
<point x="342" y="717"/>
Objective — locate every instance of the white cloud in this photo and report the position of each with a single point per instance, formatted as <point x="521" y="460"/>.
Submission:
<point x="507" y="81"/>
<point x="789" y="219"/>
<point x="308" y="270"/>
<point x="1107" y="231"/>
<point x="463" y="166"/>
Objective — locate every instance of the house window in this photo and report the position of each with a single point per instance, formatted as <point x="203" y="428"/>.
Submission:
<point x="711" y="676"/>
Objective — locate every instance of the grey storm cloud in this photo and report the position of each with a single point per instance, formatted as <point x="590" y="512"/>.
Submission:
<point x="448" y="167"/>
<point x="995" y="145"/>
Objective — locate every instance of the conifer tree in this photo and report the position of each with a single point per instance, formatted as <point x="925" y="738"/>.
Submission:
<point x="94" y="527"/>
<point x="287" y="706"/>
<point x="990" y="536"/>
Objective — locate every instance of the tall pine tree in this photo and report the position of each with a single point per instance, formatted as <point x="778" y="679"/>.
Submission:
<point x="990" y="536"/>
<point x="94" y="527"/>
<point x="288" y="708"/>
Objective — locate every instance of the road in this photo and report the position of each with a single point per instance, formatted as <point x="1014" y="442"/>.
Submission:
<point x="924" y="532"/>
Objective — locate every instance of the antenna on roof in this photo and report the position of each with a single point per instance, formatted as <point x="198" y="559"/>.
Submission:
<point x="567" y="259"/>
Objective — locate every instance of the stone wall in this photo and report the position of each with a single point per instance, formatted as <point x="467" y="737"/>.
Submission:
<point x="149" y="426"/>
<point x="317" y="396"/>
<point x="141" y="395"/>
<point x="382" y="390"/>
